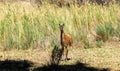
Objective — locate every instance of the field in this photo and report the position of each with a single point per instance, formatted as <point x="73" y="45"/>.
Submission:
<point x="28" y="34"/>
<point x="93" y="59"/>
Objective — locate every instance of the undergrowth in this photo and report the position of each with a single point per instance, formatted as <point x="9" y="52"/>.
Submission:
<point x="25" y="26"/>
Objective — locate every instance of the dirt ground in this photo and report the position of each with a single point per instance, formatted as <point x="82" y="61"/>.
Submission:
<point x="106" y="58"/>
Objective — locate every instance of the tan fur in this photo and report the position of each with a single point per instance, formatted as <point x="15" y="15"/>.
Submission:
<point x="67" y="39"/>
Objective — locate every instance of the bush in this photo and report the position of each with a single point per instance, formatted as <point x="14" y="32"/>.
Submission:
<point x="104" y="31"/>
<point x="99" y="43"/>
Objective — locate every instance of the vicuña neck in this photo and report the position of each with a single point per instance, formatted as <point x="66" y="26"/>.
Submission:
<point x="61" y="36"/>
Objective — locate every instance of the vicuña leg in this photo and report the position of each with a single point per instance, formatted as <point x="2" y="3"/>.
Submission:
<point x="66" y="53"/>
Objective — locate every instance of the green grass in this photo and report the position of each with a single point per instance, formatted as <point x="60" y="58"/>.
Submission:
<point x="25" y="26"/>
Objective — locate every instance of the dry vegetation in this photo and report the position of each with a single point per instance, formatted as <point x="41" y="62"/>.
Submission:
<point x="107" y="57"/>
<point x="29" y="32"/>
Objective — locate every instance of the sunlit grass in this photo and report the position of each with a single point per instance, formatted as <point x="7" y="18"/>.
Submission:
<point x="23" y="25"/>
<point x="107" y="57"/>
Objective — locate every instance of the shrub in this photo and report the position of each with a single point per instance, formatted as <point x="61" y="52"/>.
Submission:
<point x="104" y="31"/>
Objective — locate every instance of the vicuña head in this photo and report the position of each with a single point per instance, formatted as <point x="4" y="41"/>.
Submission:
<point x="61" y="26"/>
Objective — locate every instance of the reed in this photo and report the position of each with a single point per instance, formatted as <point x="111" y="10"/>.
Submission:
<point x="25" y="26"/>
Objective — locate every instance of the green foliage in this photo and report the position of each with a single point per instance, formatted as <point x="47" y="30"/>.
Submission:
<point x="23" y="25"/>
<point x="104" y="31"/>
<point x="99" y="43"/>
<point x="109" y="29"/>
<point x="117" y="33"/>
<point x="100" y="31"/>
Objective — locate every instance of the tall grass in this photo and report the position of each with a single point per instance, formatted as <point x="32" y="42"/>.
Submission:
<point x="24" y="26"/>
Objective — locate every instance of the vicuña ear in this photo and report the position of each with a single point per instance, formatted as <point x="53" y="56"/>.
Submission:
<point x="63" y="24"/>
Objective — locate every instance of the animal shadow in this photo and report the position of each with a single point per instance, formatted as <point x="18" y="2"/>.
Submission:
<point x="55" y="66"/>
<point x="15" y="65"/>
<point x="56" y="55"/>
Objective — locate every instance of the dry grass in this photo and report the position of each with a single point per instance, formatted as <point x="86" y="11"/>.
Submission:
<point x="106" y="57"/>
<point x="20" y="27"/>
<point x="23" y="25"/>
<point x="35" y="55"/>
